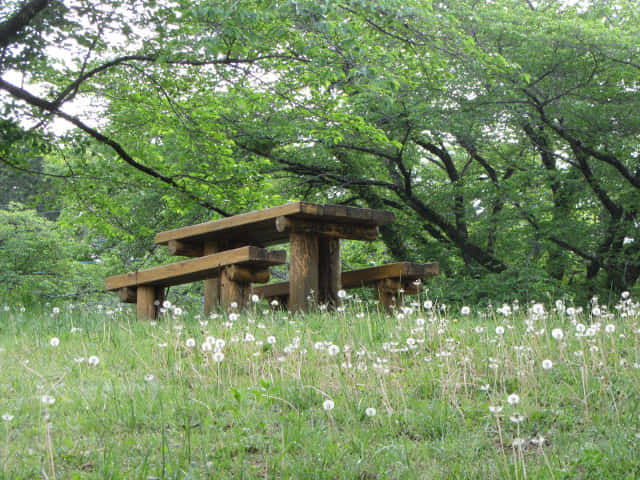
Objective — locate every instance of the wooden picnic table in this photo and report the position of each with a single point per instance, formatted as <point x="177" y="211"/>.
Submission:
<point x="312" y="230"/>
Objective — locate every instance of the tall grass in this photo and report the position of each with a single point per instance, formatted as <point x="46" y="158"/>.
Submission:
<point x="517" y="392"/>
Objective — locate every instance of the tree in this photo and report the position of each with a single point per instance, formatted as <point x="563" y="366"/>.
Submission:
<point x="503" y="133"/>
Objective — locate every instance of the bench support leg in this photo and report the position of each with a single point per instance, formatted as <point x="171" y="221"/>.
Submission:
<point x="329" y="281"/>
<point x="303" y="270"/>
<point x="233" y="291"/>
<point x="386" y="294"/>
<point x="146" y="301"/>
<point x="211" y="285"/>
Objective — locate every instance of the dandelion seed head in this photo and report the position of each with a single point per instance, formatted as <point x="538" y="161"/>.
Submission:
<point x="465" y="310"/>
<point x="54" y="342"/>
<point x="47" y="400"/>
<point x="370" y="412"/>
<point x="513" y="399"/>
<point x="547" y="364"/>
<point x="557" y="333"/>
<point x="93" y="360"/>
<point x="7" y="417"/>
<point x="328" y="405"/>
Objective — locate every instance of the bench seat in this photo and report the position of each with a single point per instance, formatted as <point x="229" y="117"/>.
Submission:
<point x="388" y="280"/>
<point x="237" y="269"/>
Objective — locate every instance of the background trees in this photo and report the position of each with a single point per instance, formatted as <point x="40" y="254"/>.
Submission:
<point x="504" y="134"/>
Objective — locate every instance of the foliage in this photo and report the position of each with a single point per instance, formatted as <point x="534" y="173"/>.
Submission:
<point x="504" y="134"/>
<point x="40" y="259"/>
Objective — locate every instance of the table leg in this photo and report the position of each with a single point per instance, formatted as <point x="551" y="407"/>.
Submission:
<point x="329" y="274"/>
<point x="146" y="298"/>
<point x="303" y="270"/>
<point x="211" y="285"/>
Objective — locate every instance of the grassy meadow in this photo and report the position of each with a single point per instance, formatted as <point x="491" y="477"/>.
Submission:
<point x="511" y="392"/>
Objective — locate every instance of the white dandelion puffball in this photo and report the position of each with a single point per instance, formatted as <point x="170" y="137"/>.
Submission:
<point x="333" y="350"/>
<point x="516" y="418"/>
<point x="342" y="294"/>
<point x="495" y="408"/>
<point x="428" y="305"/>
<point x="557" y="333"/>
<point x="500" y="330"/>
<point x="271" y="340"/>
<point x="177" y="311"/>
<point x="166" y="304"/>
<point x="610" y="328"/>
<point x="190" y="342"/>
<point x="218" y="357"/>
<point x="149" y="377"/>
<point x="93" y="360"/>
<point x="328" y="405"/>
<point x="7" y="417"/>
<point x="513" y="399"/>
<point x="465" y="311"/>
<point x="370" y="412"/>
<point x="54" y="342"/>
<point x="547" y="364"/>
<point x="47" y="400"/>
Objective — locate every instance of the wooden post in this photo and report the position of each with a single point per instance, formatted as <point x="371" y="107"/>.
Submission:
<point x="303" y="270"/>
<point x="329" y="274"/>
<point x="146" y="301"/>
<point x="231" y="290"/>
<point x="211" y="285"/>
<point x="386" y="294"/>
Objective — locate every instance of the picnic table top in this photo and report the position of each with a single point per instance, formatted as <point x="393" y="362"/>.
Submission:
<point x="259" y="227"/>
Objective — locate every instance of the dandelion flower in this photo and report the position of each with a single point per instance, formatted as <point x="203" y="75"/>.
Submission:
<point x="233" y="317"/>
<point x="55" y="310"/>
<point x="177" y="311"/>
<point x="47" y="400"/>
<point x="218" y="357"/>
<point x="333" y="350"/>
<point x="465" y="311"/>
<point x="610" y="328"/>
<point x="516" y="418"/>
<point x="54" y="342"/>
<point x="233" y="305"/>
<point x="149" y="377"/>
<point x="190" y="343"/>
<point x="7" y="417"/>
<point x="513" y="399"/>
<point x="255" y="298"/>
<point x="342" y="294"/>
<point x="495" y="408"/>
<point x="428" y="305"/>
<point x="166" y="304"/>
<point x="271" y="340"/>
<point x="328" y="405"/>
<point x="93" y="360"/>
<point x="499" y="330"/>
<point x="596" y="312"/>
<point x="547" y="364"/>
<point x="625" y="295"/>
<point x="557" y="333"/>
<point x="518" y="442"/>
<point x="370" y="412"/>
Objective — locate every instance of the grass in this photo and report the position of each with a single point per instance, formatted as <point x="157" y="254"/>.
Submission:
<point x="423" y="393"/>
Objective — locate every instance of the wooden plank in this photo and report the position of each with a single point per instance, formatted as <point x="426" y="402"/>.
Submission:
<point x="303" y="271"/>
<point x="347" y="231"/>
<point x="242" y="274"/>
<point x="407" y="272"/>
<point x="128" y="294"/>
<point x="206" y="228"/>
<point x="184" y="249"/>
<point x="259" y="226"/>
<point x="197" y="268"/>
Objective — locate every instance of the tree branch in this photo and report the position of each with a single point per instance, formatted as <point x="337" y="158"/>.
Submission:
<point x="53" y="108"/>
<point x="11" y="28"/>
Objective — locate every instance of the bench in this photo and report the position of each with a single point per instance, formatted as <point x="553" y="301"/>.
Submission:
<point x="236" y="270"/>
<point x="389" y="281"/>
